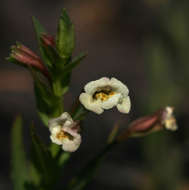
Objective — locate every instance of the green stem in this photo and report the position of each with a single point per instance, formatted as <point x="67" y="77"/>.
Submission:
<point x="86" y="175"/>
<point x="78" y="112"/>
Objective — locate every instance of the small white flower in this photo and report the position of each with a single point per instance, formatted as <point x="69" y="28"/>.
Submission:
<point x="64" y="131"/>
<point x="168" y="119"/>
<point x="106" y="93"/>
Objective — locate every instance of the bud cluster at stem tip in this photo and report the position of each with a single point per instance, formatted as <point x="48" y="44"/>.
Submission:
<point x="25" y="56"/>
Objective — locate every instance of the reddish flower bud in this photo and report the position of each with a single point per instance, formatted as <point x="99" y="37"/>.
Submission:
<point x="162" y="119"/>
<point x="23" y="48"/>
<point x="48" y="40"/>
<point x="26" y="57"/>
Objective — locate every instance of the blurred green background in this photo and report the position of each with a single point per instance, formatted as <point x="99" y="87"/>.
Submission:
<point x="143" y="43"/>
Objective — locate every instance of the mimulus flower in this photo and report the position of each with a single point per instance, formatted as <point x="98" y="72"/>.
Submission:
<point x="105" y="93"/>
<point x="64" y="131"/>
<point x="162" y="119"/>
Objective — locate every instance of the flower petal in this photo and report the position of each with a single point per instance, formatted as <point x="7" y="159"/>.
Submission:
<point x="168" y="119"/>
<point x="54" y="131"/>
<point x="57" y="121"/>
<point x="71" y="146"/>
<point x="111" y="102"/>
<point x="91" y="87"/>
<point x="66" y="116"/>
<point x="54" y="122"/>
<point x="119" y="86"/>
<point x="55" y="140"/>
<point x="125" y="106"/>
<point x="89" y="104"/>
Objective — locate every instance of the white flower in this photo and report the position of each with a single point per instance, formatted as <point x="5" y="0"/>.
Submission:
<point x="64" y="131"/>
<point x="106" y="93"/>
<point x="168" y="119"/>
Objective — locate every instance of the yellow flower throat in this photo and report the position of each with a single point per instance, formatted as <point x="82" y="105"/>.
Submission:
<point x="62" y="135"/>
<point x="170" y="122"/>
<point x="103" y="94"/>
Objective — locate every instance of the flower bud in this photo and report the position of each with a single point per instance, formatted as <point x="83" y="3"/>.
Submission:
<point x="48" y="40"/>
<point x="23" y="48"/>
<point x="162" y="119"/>
<point x="25" y="56"/>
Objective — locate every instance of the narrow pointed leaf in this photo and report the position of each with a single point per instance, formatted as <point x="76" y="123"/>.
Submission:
<point x="63" y="75"/>
<point x="52" y="55"/>
<point x="35" y="176"/>
<point x="65" y="36"/>
<point x="57" y="153"/>
<point x="68" y="68"/>
<point x="79" y="58"/>
<point x="63" y="159"/>
<point x="54" y="149"/>
<point x="48" y="105"/>
<point x="43" y="161"/>
<point x="39" y="29"/>
<point x="18" y="158"/>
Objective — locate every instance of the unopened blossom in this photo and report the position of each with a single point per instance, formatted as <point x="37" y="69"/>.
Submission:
<point x="48" y="40"/>
<point x="105" y="93"/>
<point x="27" y="57"/>
<point x="65" y="132"/>
<point x="162" y="119"/>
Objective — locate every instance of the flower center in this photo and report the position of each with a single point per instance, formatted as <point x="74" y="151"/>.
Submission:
<point x="62" y="134"/>
<point x="104" y="93"/>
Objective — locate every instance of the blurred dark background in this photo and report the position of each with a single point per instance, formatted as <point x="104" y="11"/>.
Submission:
<point x="143" y="43"/>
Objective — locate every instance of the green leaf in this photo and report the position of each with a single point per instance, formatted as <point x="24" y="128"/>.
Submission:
<point x="43" y="162"/>
<point x="68" y="68"/>
<point x="63" y="159"/>
<point x="58" y="154"/>
<point x="39" y="29"/>
<point x="79" y="58"/>
<point x="52" y="55"/>
<point x="60" y="87"/>
<point x="48" y="104"/>
<point x="54" y="149"/>
<point x="65" y="38"/>
<point x="35" y="176"/>
<point x="65" y="74"/>
<point x="62" y="75"/>
<point x="19" y="172"/>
